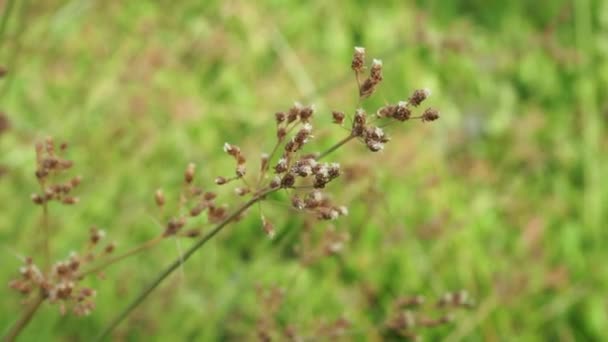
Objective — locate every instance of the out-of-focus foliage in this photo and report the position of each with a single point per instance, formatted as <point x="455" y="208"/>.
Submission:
<point x="504" y="196"/>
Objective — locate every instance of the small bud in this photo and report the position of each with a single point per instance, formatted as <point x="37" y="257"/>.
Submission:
<point x="74" y="182"/>
<point x="358" y="61"/>
<point x="241" y="170"/>
<point x="221" y="180"/>
<point x="241" y="191"/>
<point x="96" y="235"/>
<point x="37" y="199"/>
<point x="306" y="113"/>
<point x="268" y="227"/>
<point x="232" y="150"/>
<point x="338" y="117"/>
<point x="198" y="209"/>
<point x="281" y="133"/>
<point x="208" y="196"/>
<point x="418" y="96"/>
<point x="288" y="181"/>
<point x="297" y="202"/>
<point x="110" y="248"/>
<point x="264" y="161"/>
<point x="280" y="117"/>
<point x="376" y="71"/>
<point x="430" y="114"/>
<point x="402" y="112"/>
<point x="189" y="174"/>
<point x="70" y="200"/>
<point x="275" y="182"/>
<point x="174" y="225"/>
<point x="159" y="196"/>
<point x="281" y="166"/>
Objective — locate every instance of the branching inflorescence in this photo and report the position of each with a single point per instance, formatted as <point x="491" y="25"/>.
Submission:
<point x="287" y="167"/>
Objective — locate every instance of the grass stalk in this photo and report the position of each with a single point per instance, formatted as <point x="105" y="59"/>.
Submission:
<point x="24" y="320"/>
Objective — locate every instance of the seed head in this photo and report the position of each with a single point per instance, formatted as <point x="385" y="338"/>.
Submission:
<point x="419" y="96"/>
<point x="376" y="71"/>
<point x="358" y="61"/>
<point x="338" y="117"/>
<point x="159" y="197"/>
<point x="189" y="174"/>
<point x="268" y="227"/>
<point x="430" y="114"/>
<point x="232" y="150"/>
<point x="280" y="117"/>
<point x="288" y="180"/>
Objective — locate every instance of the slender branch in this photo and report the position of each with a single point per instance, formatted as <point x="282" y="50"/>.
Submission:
<point x="146" y="245"/>
<point x="4" y="20"/>
<point x="46" y="234"/>
<point x="23" y="320"/>
<point x="336" y="146"/>
<point x="178" y="262"/>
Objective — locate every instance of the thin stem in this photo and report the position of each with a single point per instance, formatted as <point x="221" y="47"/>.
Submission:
<point x="178" y="262"/>
<point x="336" y="146"/>
<point x="24" y="320"/>
<point x="46" y="235"/>
<point x="4" y="20"/>
<point x="146" y="245"/>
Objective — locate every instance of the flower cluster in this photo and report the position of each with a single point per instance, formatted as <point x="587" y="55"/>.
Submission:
<point x="49" y="167"/>
<point x="61" y="284"/>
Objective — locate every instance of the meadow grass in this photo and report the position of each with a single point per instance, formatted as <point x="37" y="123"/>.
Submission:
<point x="503" y="197"/>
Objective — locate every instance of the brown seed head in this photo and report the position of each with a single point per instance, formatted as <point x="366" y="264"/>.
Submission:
<point x="418" y="97"/>
<point x="280" y="117"/>
<point x="189" y="173"/>
<point x="358" y="61"/>
<point x="430" y="114"/>
<point x="338" y="117"/>
<point x="159" y="197"/>
<point x="268" y="227"/>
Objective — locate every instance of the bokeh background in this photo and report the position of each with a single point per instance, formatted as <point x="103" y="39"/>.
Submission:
<point x="504" y="196"/>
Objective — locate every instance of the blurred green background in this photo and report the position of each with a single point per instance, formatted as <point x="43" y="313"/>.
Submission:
<point x="504" y="196"/>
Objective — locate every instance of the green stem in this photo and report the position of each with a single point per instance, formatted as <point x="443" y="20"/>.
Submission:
<point x="3" y="22"/>
<point x="23" y="320"/>
<point x="336" y="146"/>
<point x="46" y="235"/>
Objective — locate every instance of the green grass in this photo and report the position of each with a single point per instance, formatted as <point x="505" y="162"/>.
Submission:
<point x="503" y="196"/>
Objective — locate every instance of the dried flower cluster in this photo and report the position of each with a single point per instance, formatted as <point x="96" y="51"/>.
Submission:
<point x="61" y="284"/>
<point x="50" y="166"/>
<point x="409" y="314"/>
